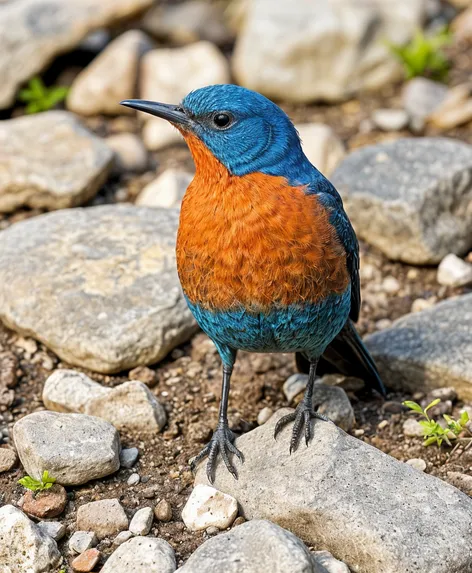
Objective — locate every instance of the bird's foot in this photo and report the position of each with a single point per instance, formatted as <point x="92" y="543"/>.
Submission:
<point x="302" y="418"/>
<point x="222" y="442"/>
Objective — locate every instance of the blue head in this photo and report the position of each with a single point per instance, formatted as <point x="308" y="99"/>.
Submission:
<point x="244" y="130"/>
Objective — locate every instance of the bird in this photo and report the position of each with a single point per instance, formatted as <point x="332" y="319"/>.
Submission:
<point x="266" y="255"/>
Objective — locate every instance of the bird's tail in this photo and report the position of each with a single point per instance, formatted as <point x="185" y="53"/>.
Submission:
<point x="347" y="355"/>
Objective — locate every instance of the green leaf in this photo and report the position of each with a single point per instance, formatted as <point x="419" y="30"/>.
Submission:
<point x="464" y="418"/>
<point x="47" y="479"/>
<point x="430" y="441"/>
<point x="30" y="483"/>
<point x="432" y="404"/>
<point x="413" y="406"/>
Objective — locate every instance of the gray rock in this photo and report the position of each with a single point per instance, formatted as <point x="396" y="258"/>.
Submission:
<point x="122" y="537"/>
<point x="110" y="78"/>
<point x="7" y="459"/>
<point x="325" y="49"/>
<point x="245" y="548"/>
<point x="130" y="407"/>
<point x="412" y="428"/>
<point x="455" y="272"/>
<point x="413" y="210"/>
<point x="319" y="492"/>
<point x="50" y="160"/>
<point x="105" y="517"/>
<point x="69" y="391"/>
<point x="81" y="541"/>
<point x="390" y="119"/>
<point x="167" y="190"/>
<point x="188" y="22"/>
<point x="141" y="522"/>
<point x="130" y="153"/>
<point x="295" y="385"/>
<point x="329" y="563"/>
<point x="421" y="97"/>
<point x="34" y="32"/>
<point x="124" y="305"/>
<point x="74" y="448"/>
<point x="23" y="546"/>
<point x="428" y="349"/>
<point x="332" y="401"/>
<point x="54" y="529"/>
<point x="142" y="555"/>
<point x="128" y="457"/>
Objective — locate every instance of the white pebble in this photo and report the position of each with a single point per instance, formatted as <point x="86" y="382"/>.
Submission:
<point x="133" y="479"/>
<point x="208" y="507"/>
<point x="455" y="272"/>
<point x="264" y="415"/>
<point x="142" y="521"/>
<point x="417" y="463"/>
<point x="81" y="541"/>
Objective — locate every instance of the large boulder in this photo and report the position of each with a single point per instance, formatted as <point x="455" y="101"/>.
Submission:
<point x="106" y="293"/>
<point x="51" y="161"/>
<point x="410" y="198"/>
<point x="365" y="507"/>
<point x="322" y="49"/>
<point x="35" y="31"/>
<point x="428" y="349"/>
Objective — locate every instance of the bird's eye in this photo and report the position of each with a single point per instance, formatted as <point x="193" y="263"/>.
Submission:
<point x="222" y="120"/>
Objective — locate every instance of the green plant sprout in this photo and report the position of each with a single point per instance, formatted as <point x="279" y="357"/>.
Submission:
<point x="434" y="432"/>
<point x="39" y="98"/>
<point x="423" y="55"/>
<point x="32" y="484"/>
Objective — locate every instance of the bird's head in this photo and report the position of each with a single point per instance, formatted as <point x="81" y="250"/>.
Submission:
<point x="242" y="129"/>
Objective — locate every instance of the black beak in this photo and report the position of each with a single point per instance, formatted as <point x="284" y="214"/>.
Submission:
<point x="172" y="113"/>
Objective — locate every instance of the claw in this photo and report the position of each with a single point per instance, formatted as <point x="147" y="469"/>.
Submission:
<point x="302" y="418"/>
<point x="220" y="443"/>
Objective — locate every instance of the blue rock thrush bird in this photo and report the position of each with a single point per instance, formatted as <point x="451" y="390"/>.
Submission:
<point x="266" y="255"/>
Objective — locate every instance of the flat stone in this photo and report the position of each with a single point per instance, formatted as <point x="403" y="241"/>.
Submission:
<point x="130" y="153"/>
<point x="396" y="531"/>
<point x="207" y="507"/>
<point x="74" y="448"/>
<point x="105" y="517"/>
<point x="86" y="561"/>
<point x="142" y="555"/>
<point x="8" y="459"/>
<point x="428" y="349"/>
<point x="50" y="161"/>
<point x="245" y="548"/>
<point x="128" y="457"/>
<point x="54" y="529"/>
<point x="48" y="503"/>
<point x="390" y="119"/>
<point x="69" y="391"/>
<point x="402" y="204"/>
<point x="82" y="541"/>
<point x="141" y="522"/>
<point x="417" y="463"/>
<point x="188" y="22"/>
<point x="321" y="145"/>
<point x="323" y="50"/>
<point x="163" y="511"/>
<point x="34" y="32"/>
<point x="111" y="77"/>
<point x="329" y="563"/>
<point x="124" y="305"/>
<point x="455" y="272"/>
<point x="24" y="546"/>
<point x="130" y="407"/>
<point x="167" y="190"/>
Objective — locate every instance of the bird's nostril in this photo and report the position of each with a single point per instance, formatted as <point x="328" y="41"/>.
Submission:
<point x="178" y="108"/>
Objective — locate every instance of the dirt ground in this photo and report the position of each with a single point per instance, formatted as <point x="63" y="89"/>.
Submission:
<point x="188" y="381"/>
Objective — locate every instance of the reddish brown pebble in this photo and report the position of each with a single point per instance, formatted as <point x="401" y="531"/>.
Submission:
<point x="86" y="561"/>
<point x="163" y="511"/>
<point x="48" y="503"/>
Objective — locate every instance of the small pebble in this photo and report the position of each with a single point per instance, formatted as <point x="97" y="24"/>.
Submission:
<point x="141" y="522"/>
<point x="417" y="463"/>
<point x="329" y="563"/>
<point x="133" y="479"/>
<point x="454" y="272"/>
<point x="48" y="503"/>
<point x="122" y="537"/>
<point x="128" y="457"/>
<point x="143" y="374"/>
<point x="86" y="561"/>
<point x="412" y="428"/>
<point x="295" y="385"/>
<point x="383" y="424"/>
<point x="149" y="492"/>
<point x="81" y="541"/>
<point x="207" y="507"/>
<point x="239" y="521"/>
<point x="163" y="511"/>
<point x="390" y="119"/>
<point x="446" y="393"/>
<point x="54" y="529"/>
<point x="212" y="530"/>
<point x="393" y="407"/>
<point x="264" y="415"/>
<point x="390" y="285"/>
<point x="7" y="456"/>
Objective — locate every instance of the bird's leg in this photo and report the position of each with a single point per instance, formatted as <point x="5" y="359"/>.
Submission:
<point x="303" y="414"/>
<point x="223" y="439"/>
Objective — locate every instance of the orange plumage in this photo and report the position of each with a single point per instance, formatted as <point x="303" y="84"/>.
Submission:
<point x="254" y="240"/>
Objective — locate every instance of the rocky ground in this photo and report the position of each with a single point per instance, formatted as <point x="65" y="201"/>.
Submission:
<point x="105" y="381"/>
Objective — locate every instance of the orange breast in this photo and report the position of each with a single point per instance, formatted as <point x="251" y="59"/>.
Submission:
<point x="254" y="240"/>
